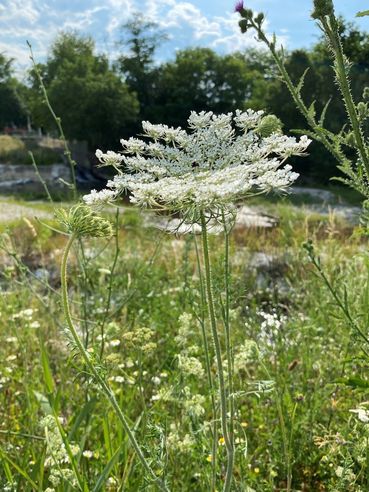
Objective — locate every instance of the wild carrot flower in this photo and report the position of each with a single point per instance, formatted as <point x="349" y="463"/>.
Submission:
<point x="223" y="158"/>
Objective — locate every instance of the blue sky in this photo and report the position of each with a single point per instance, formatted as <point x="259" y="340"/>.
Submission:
<point x="188" y="23"/>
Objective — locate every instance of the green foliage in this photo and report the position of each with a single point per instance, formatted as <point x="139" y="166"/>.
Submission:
<point x="91" y="100"/>
<point x="145" y="332"/>
<point x="201" y="80"/>
<point x="12" y="109"/>
<point x="142" y="38"/>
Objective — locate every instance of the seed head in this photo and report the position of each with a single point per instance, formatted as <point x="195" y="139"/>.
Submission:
<point x="82" y="221"/>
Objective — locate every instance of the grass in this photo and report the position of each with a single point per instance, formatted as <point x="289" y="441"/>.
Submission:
<point x="294" y="394"/>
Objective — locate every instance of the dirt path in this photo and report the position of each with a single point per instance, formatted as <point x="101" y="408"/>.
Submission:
<point x="10" y="211"/>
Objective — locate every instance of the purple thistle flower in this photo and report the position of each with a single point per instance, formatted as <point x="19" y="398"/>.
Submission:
<point x="239" y="6"/>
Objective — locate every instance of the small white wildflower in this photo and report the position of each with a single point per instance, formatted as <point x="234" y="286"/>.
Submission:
<point x="181" y="444"/>
<point x="110" y="158"/>
<point x="194" y="405"/>
<point x="114" y="343"/>
<point x="156" y="380"/>
<point x="185" y="329"/>
<point x="34" y="325"/>
<point x="190" y="366"/>
<point x="339" y="471"/>
<point x="98" y="197"/>
<point x="362" y="414"/>
<point x="117" y="379"/>
<point x="247" y="352"/>
<point x="11" y="357"/>
<point x="88" y="454"/>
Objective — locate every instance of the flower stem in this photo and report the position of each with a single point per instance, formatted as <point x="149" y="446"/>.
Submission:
<point x="99" y="379"/>
<point x="227" y="324"/>
<point x="208" y="371"/>
<point x="218" y="355"/>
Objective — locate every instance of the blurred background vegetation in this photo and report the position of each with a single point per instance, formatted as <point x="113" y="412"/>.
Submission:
<point x="100" y="101"/>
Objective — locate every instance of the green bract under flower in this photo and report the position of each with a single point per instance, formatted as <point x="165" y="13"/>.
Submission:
<point x="82" y="221"/>
<point x="223" y="158"/>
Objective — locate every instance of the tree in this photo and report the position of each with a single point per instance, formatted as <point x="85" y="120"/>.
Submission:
<point x="201" y="80"/>
<point x="12" y="108"/>
<point x="93" y="102"/>
<point x="142" y="38"/>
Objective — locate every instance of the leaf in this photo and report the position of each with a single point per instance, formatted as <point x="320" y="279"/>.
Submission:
<point x="20" y="470"/>
<point x="106" y="471"/>
<point x="363" y="13"/>
<point x="44" y="403"/>
<point x="354" y="382"/>
<point x="48" y="378"/>
<point x="300" y="85"/>
<point x="324" y="112"/>
<point x="312" y="110"/>
<point x="86" y="410"/>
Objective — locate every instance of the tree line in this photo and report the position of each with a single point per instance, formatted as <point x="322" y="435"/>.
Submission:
<point x="101" y="101"/>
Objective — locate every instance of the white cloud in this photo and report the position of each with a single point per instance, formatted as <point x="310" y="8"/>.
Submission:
<point x="40" y="21"/>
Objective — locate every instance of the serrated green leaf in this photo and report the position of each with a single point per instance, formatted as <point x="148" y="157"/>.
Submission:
<point x="324" y="112"/>
<point x="312" y="110"/>
<point x="300" y="85"/>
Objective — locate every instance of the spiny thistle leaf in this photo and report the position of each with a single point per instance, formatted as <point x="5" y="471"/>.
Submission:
<point x="300" y="85"/>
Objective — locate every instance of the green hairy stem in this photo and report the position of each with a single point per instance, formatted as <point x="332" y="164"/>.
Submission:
<point x="218" y="355"/>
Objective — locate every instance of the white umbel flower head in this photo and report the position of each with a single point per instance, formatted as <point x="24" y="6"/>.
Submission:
<point x="223" y="158"/>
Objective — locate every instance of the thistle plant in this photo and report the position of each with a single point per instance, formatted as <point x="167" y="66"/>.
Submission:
<point x="200" y="175"/>
<point x="355" y="168"/>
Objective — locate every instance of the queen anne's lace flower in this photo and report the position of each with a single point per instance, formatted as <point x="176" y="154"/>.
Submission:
<point x="222" y="159"/>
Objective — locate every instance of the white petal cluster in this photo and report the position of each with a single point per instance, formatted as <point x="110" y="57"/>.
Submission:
<point x="98" y="197"/>
<point x="221" y="159"/>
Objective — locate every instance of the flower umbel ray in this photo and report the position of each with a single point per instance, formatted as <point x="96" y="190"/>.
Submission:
<point x="221" y="159"/>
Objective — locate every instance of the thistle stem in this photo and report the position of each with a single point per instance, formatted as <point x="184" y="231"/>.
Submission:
<point x="320" y="135"/>
<point x="218" y="355"/>
<point x="103" y="385"/>
<point x="331" y="32"/>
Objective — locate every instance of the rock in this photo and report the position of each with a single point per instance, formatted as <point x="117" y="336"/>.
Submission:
<point x="22" y="178"/>
<point x="247" y="217"/>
